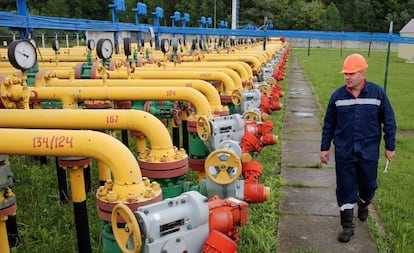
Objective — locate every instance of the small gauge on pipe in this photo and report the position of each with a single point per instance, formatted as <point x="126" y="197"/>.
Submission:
<point x="22" y="54"/>
<point x="104" y="49"/>
<point x="165" y="45"/>
<point x="55" y="45"/>
<point x="90" y="44"/>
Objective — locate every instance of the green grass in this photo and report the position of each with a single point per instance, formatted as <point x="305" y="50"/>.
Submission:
<point x="394" y="199"/>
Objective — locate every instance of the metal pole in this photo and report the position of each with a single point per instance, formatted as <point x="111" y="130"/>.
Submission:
<point x="388" y="57"/>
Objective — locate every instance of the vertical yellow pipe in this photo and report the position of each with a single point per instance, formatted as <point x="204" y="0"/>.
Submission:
<point x="141" y="143"/>
<point x="77" y="183"/>
<point x="4" y="245"/>
<point x="104" y="172"/>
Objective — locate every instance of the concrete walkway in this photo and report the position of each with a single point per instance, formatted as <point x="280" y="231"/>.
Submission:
<point x="310" y="215"/>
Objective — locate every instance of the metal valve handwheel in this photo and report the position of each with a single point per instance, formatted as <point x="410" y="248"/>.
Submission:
<point x="129" y="236"/>
<point x="203" y="128"/>
<point x="223" y="166"/>
<point x="236" y="97"/>
<point x="264" y="89"/>
<point x="252" y="116"/>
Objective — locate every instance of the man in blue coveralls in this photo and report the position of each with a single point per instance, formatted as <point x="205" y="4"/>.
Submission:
<point x="357" y="114"/>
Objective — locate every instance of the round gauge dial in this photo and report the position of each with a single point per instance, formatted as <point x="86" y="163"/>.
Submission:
<point x="104" y="48"/>
<point x="22" y="54"/>
<point x="165" y="45"/>
<point x="127" y="46"/>
<point x="91" y="44"/>
<point x="55" y="45"/>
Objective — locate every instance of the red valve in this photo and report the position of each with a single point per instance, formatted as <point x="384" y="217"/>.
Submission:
<point x="253" y="191"/>
<point x="265" y="104"/>
<point x="219" y="243"/>
<point x="227" y="215"/>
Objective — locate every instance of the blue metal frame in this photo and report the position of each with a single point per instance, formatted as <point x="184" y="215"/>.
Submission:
<point x="26" y="23"/>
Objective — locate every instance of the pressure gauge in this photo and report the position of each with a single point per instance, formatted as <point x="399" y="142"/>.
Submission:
<point x="165" y="45"/>
<point x="127" y="46"/>
<point x="91" y="45"/>
<point x="104" y="49"/>
<point x="55" y="45"/>
<point x="22" y="54"/>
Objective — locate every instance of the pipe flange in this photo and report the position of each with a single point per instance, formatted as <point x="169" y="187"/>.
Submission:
<point x="163" y="169"/>
<point x="9" y="210"/>
<point x="105" y="207"/>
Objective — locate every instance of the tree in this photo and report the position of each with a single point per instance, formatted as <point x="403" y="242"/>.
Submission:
<point x="261" y="9"/>
<point x="311" y="16"/>
<point x="333" y="18"/>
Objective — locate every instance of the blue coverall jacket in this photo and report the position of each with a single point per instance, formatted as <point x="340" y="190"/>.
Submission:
<point x="355" y="124"/>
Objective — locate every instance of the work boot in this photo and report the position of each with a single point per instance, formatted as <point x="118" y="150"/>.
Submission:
<point x="347" y="222"/>
<point x="363" y="210"/>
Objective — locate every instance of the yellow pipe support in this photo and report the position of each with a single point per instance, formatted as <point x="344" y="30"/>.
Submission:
<point x="104" y="173"/>
<point x="202" y="86"/>
<point x="149" y="125"/>
<point x="77" y="182"/>
<point x="4" y="240"/>
<point x="208" y="76"/>
<point x="127" y="176"/>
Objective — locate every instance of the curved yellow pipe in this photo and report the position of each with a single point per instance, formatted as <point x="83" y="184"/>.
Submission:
<point x="208" y="76"/>
<point x="233" y="74"/>
<point x="70" y="96"/>
<point x="251" y="60"/>
<point x="149" y="125"/>
<point x="243" y="70"/>
<point x="84" y="143"/>
<point x="204" y="87"/>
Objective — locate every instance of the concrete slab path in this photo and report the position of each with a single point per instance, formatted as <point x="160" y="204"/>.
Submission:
<point x="310" y="215"/>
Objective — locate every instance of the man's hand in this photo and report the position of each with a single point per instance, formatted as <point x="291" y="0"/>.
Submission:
<point x="324" y="156"/>
<point x="389" y="154"/>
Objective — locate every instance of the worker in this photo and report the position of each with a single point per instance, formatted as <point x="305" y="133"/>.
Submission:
<point x="357" y="114"/>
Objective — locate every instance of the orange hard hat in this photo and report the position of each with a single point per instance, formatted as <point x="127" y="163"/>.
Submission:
<point x="354" y="63"/>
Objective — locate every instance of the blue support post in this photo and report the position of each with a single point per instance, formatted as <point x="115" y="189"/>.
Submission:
<point x="22" y="11"/>
<point x="141" y="10"/>
<point x="159" y="13"/>
<point x="184" y="21"/>
<point x="117" y="6"/>
<point x="175" y="18"/>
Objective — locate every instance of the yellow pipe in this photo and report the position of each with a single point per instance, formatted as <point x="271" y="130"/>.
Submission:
<point x="242" y="69"/>
<point x="251" y="60"/>
<point x="233" y="74"/>
<point x="4" y="240"/>
<point x="85" y="143"/>
<point x="208" y="76"/>
<point x="204" y="87"/>
<point x="70" y="96"/>
<point x="77" y="182"/>
<point x="157" y="134"/>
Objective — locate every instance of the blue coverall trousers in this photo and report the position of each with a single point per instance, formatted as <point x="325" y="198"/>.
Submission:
<point x="356" y="179"/>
